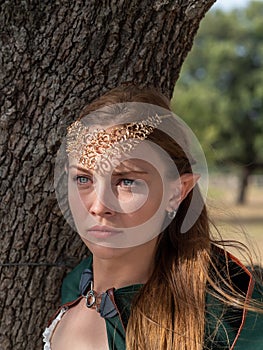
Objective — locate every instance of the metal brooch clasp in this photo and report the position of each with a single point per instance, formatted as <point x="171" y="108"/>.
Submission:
<point x="91" y="296"/>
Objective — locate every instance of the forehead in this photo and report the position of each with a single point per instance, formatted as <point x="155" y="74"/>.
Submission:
<point x="134" y="165"/>
<point x="103" y="149"/>
<point x="145" y="157"/>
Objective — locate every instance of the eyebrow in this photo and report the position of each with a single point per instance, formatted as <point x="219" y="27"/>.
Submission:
<point x="115" y="173"/>
<point x="122" y="173"/>
<point x="80" y="168"/>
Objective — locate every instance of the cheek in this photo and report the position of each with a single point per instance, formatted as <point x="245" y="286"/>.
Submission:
<point x="80" y="214"/>
<point x="76" y="202"/>
<point x="151" y="200"/>
<point x="132" y="203"/>
<point x="154" y="202"/>
<point x="151" y="208"/>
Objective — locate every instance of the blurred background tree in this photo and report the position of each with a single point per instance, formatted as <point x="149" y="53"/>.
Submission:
<point x="220" y="91"/>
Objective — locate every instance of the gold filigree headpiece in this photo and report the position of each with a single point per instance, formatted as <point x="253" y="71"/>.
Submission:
<point x="90" y="147"/>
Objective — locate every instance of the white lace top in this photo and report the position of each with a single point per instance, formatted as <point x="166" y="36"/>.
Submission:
<point x="49" y="330"/>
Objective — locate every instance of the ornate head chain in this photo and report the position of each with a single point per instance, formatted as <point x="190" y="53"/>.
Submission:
<point x="89" y="148"/>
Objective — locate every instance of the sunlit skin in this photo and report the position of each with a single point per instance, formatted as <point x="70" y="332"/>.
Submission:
<point x="90" y="205"/>
<point x="88" y="198"/>
<point x="117" y="259"/>
<point x="135" y="183"/>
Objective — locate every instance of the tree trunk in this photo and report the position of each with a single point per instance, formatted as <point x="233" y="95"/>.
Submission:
<point x="246" y="172"/>
<point x="55" y="57"/>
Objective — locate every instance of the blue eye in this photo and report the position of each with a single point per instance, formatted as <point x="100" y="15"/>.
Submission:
<point x="127" y="182"/>
<point x="81" y="180"/>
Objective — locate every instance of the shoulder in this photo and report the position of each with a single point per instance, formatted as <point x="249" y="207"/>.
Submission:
<point x="251" y="335"/>
<point x="70" y="286"/>
<point x="235" y="327"/>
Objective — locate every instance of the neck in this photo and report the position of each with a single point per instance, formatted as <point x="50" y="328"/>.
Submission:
<point x="120" y="267"/>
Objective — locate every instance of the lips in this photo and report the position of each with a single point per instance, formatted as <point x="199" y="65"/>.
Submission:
<point x="103" y="231"/>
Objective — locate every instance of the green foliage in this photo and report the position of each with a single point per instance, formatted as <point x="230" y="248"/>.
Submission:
<point x="220" y="90"/>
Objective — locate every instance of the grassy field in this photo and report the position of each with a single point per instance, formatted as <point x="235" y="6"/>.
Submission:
<point x="239" y="222"/>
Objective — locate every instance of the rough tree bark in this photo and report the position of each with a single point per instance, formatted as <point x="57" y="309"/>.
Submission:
<point x="55" y="57"/>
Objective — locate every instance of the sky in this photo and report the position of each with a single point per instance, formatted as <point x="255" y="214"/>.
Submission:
<point x="230" y="4"/>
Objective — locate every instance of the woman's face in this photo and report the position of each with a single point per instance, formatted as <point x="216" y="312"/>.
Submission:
<point x="124" y="207"/>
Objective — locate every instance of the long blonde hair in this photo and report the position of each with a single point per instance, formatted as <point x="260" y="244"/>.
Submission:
<point x="170" y="309"/>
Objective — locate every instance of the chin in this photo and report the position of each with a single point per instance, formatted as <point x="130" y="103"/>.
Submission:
<point x="104" y="252"/>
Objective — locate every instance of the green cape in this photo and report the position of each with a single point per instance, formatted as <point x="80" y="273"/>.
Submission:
<point x="226" y="327"/>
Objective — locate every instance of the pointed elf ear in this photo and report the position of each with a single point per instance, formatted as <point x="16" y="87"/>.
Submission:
<point x="180" y="189"/>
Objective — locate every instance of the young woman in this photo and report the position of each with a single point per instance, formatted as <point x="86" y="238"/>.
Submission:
<point x="155" y="279"/>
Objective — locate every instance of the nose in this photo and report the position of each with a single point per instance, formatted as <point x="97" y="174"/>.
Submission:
<point x="98" y="204"/>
